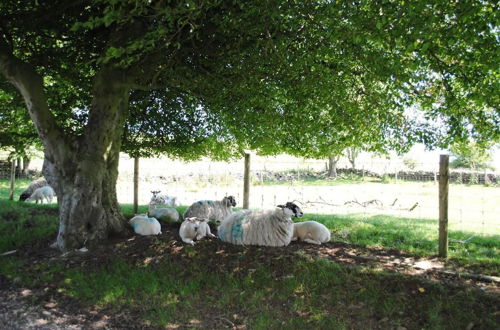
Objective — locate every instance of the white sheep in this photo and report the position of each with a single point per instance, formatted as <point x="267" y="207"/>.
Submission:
<point x="211" y="210"/>
<point x="194" y="228"/>
<point x="311" y="232"/>
<point x="38" y="183"/>
<point x="164" y="214"/>
<point x="143" y="225"/>
<point x="162" y="199"/>
<point x="41" y="194"/>
<point x="266" y="228"/>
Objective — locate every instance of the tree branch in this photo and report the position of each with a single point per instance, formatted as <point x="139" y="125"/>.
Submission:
<point x="30" y="84"/>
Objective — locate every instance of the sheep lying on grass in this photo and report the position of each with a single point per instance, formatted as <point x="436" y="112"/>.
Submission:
<point x="162" y="199"/>
<point x="38" y="183"/>
<point x="211" y="210"/>
<point x="266" y="228"/>
<point x="164" y="214"/>
<point x="194" y="228"/>
<point x="311" y="232"/>
<point x="41" y="194"/>
<point x="143" y="225"/>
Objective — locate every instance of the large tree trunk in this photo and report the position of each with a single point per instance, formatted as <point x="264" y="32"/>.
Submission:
<point x="82" y="170"/>
<point x="88" y="208"/>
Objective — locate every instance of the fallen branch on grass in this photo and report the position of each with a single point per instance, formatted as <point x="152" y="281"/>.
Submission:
<point x="367" y="203"/>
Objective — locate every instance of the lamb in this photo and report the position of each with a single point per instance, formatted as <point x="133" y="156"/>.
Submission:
<point x="38" y="183"/>
<point x="143" y="225"/>
<point x="212" y="210"/>
<point x="164" y="214"/>
<point x="311" y="232"/>
<point x="194" y="228"/>
<point x="41" y="194"/>
<point x="265" y="228"/>
<point x="162" y="199"/>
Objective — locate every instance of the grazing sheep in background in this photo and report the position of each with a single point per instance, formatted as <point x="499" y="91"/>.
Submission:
<point x="41" y="194"/>
<point x="194" y="228"/>
<point x="267" y="228"/>
<point x="144" y="225"/>
<point x="311" y="232"/>
<point x="38" y="183"/>
<point x="211" y="210"/>
<point x="164" y="214"/>
<point x="162" y="199"/>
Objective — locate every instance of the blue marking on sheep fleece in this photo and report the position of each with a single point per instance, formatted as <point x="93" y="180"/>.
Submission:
<point x="222" y="235"/>
<point x="237" y="228"/>
<point x="151" y="219"/>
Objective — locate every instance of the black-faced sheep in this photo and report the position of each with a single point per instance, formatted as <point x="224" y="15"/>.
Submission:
<point x="38" y="183"/>
<point x="266" y="228"/>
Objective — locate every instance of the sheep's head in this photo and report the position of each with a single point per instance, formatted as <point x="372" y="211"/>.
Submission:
<point x="155" y="192"/>
<point x="292" y="209"/>
<point x="24" y="196"/>
<point x="195" y="222"/>
<point x="229" y="201"/>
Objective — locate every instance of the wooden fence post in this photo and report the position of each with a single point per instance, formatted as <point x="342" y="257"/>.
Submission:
<point x="443" y="205"/>
<point x="12" y="179"/>
<point x="136" y="185"/>
<point x="246" y="183"/>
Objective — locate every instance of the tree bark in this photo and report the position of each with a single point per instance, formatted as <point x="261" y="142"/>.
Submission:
<point x="332" y="166"/>
<point x="82" y="170"/>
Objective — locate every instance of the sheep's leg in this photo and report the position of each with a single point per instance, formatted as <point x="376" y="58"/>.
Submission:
<point x="295" y="238"/>
<point x="188" y="241"/>
<point x="312" y="241"/>
<point x="209" y="233"/>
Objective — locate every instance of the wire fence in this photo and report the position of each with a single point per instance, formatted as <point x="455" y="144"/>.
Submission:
<point x="374" y="187"/>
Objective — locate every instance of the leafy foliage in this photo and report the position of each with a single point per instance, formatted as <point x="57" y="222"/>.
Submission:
<point x="217" y="77"/>
<point x="470" y="155"/>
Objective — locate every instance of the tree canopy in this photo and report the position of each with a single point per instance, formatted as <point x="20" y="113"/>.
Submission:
<point x="217" y="77"/>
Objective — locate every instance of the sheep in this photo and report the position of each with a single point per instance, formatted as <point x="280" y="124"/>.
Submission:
<point x="194" y="228"/>
<point x="311" y="232"/>
<point x="164" y="214"/>
<point x="266" y="228"/>
<point x="143" y="225"/>
<point x="162" y="199"/>
<point x="41" y="194"/>
<point x="212" y="210"/>
<point x="38" y="183"/>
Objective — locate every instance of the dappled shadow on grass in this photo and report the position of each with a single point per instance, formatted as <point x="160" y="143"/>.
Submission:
<point x="161" y="282"/>
<point x="418" y="237"/>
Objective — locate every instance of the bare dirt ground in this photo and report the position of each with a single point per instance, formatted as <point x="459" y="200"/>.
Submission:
<point x="43" y="307"/>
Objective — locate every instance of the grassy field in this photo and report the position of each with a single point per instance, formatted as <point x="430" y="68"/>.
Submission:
<point x="209" y="285"/>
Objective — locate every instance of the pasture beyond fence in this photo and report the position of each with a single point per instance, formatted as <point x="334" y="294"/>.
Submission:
<point x="374" y="187"/>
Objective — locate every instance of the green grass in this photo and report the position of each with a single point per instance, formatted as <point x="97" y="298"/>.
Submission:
<point x="301" y="293"/>
<point x="274" y="293"/>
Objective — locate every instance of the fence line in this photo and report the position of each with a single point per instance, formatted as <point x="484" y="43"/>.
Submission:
<point x="400" y="193"/>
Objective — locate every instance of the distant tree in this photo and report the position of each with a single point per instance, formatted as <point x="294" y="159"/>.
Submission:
<point x="471" y="155"/>
<point x="352" y="154"/>
<point x="332" y="166"/>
